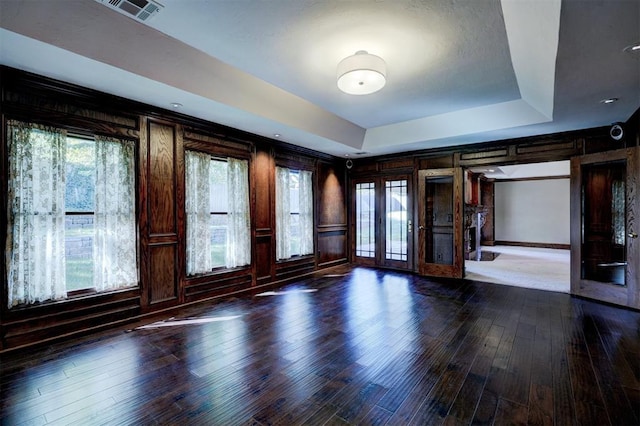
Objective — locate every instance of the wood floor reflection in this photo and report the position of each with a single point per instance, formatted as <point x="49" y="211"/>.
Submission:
<point x="359" y="346"/>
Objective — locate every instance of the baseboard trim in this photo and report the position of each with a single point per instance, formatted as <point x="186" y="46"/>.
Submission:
<point x="536" y="245"/>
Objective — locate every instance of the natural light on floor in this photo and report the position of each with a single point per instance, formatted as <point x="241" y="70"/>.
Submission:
<point x="537" y="268"/>
<point x="172" y="322"/>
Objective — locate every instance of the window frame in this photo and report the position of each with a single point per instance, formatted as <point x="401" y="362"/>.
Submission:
<point x="299" y="165"/>
<point x="73" y="297"/>
<point x="216" y="149"/>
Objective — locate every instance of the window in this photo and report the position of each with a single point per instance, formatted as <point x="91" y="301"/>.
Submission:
<point x="80" y="189"/>
<point x="294" y="213"/>
<point x="218" y="201"/>
<point x="71" y="222"/>
<point x="218" y="217"/>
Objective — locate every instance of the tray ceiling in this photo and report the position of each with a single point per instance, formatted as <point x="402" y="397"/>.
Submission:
<point x="459" y="72"/>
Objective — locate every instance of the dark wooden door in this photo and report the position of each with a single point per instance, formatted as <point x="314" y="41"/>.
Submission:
<point x="605" y="249"/>
<point x="440" y="215"/>
<point x="383" y="221"/>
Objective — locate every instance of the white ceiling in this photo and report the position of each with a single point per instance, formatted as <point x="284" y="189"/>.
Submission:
<point x="459" y="71"/>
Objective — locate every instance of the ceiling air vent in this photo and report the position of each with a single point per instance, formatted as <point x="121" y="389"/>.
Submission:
<point x="142" y="10"/>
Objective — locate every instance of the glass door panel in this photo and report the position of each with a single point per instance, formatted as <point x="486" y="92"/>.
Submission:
<point x="439" y="220"/>
<point x="365" y="221"/>
<point x="396" y="223"/>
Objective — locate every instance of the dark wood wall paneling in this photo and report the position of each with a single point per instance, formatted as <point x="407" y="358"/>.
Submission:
<point x="162" y="137"/>
<point x="331" y="222"/>
<point x="160" y="165"/>
<point x="159" y="134"/>
<point x="264" y="171"/>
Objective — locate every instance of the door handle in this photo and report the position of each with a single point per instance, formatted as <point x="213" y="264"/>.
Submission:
<point x="633" y="235"/>
<point x="421" y="227"/>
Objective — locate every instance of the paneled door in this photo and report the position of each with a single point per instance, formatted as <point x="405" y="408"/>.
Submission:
<point x="440" y="215"/>
<point x="383" y="228"/>
<point x="605" y="223"/>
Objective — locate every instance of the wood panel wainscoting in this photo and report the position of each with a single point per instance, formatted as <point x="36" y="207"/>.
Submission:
<point x="345" y="346"/>
<point x="161" y="137"/>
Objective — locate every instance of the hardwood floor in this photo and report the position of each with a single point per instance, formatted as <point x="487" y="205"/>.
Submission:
<point x="368" y="347"/>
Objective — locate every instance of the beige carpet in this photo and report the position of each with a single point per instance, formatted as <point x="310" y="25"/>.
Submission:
<point x="542" y="269"/>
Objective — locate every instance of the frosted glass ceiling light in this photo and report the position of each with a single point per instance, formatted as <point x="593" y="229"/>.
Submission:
<point x="362" y="73"/>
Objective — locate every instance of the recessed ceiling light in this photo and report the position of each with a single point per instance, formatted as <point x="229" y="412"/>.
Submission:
<point x="633" y="48"/>
<point x="176" y="105"/>
<point x="276" y="135"/>
<point x="609" y="101"/>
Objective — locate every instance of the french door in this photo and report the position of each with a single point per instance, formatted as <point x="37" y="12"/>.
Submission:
<point x="440" y="215"/>
<point x="605" y="223"/>
<point x="383" y="222"/>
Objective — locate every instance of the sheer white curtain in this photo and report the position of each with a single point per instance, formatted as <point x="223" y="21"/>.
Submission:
<point x="34" y="252"/>
<point x="238" y="220"/>
<point x="114" y="221"/>
<point x="283" y="213"/>
<point x="197" y="207"/>
<point x="306" y="212"/>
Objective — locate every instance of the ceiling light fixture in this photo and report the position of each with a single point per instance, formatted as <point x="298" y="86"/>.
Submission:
<point x="176" y="105"/>
<point x="362" y="73"/>
<point x="609" y="101"/>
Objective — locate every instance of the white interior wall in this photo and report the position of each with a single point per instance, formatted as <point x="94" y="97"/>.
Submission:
<point x="534" y="211"/>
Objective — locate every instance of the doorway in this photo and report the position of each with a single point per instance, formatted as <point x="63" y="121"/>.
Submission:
<point x="382" y="223"/>
<point x="522" y="215"/>
<point x="440" y="250"/>
<point x="605" y="249"/>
